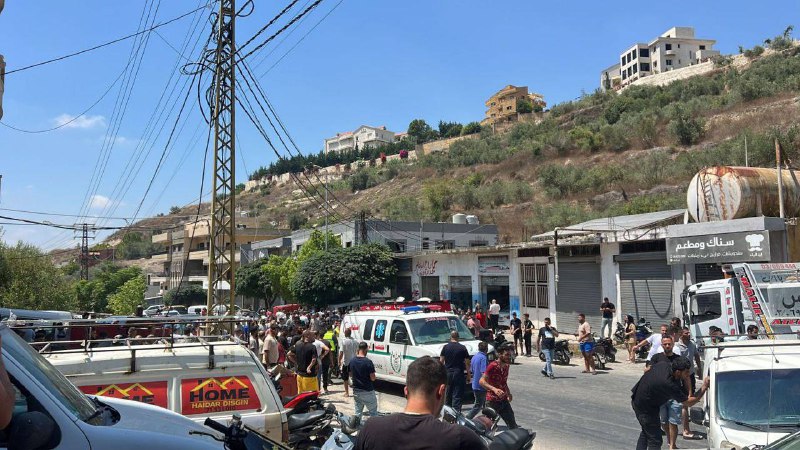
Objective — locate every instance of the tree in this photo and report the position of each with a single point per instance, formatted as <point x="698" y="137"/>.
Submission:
<point x="252" y="281"/>
<point x="471" y="128"/>
<point x="30" y="280"/>
<point x="296" y="220"/>
<point x="449" y="129"/>
<point x="276" y="270"/>
<point x="134" y="245"/>
<point x="686" y="129"/>
<point x="524" y="106"/>
<point x="128" y="297"/>
<point x="104" y="281"/>
<point x="343" y="274"/>
<point x="174" y="209"/>
<point x="421" y="131"/>
<point x="186" y="295"/>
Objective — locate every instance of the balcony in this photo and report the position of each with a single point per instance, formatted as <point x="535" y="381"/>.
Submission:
<point x="672" y="52"/>
<point x="161" y="257"/>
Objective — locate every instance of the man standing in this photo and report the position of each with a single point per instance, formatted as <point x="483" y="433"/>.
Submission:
<point x="477" y="367"/>
<point x="455" y="358"/>
<point x="323" y="354"/>
<point x="347" y="351"/>
<point x="586" y="344"/>
<point x="659" y="384"/>
<point x="516" y="331"/>
<point x="527" y="332"/>
<point x="271" y="348"/>
<point x="418" y="427"/>
<point x="305" y="357"/>
<point x="546" y="343"/>
<point x="363" y="373"/>
<point x="654" y="340"/>
<point x="670" y="411"/>
<point x="688" y="349"/>
<point x="495" y="381"/>
<point x="494" y="315"/>
<point x="607" y="308"/>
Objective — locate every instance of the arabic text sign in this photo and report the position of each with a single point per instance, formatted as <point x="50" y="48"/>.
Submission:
<point x="493" y="264"/>
<point x="719" y="248"/>
<point x="150" y="392"/>
<point x="217" y="394"/>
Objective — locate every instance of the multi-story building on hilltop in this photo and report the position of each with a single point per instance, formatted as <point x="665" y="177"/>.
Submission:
<point x="503" y="105"/>
<point x="674" y="49"/>
<point x="363" y="137"/>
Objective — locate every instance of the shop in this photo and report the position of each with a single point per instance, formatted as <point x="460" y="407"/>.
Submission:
<point x="645" y="282"/>
<point x="579" y="286"/>
<point x="494" y="272"/>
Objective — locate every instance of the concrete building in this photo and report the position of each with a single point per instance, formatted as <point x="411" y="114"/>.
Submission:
<point x="186" y="252"/>
<point x="674" y="49"/>
<point x="363" y="137"/>
<point x="610" y="77"/>
<point x="502" y="106"/>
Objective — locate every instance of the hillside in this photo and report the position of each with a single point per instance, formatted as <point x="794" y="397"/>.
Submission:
<point x="604" y="154"/>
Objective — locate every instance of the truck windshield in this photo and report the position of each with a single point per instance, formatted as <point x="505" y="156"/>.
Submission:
<point x="45" y="374"/>
<point x="759" y="397"/>
<point x="435" y="330"/>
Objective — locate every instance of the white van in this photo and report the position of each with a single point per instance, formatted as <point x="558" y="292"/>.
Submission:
<point x="197" y="380"/>
<point x="398" y="337"/>
<point x="754" y="392"/>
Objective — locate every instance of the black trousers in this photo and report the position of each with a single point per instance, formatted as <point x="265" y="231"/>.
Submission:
<point x="503" y="408"/>
<point x="494" y="320"/>
<point x="650" y="436"/>
<point x="527" y="338"/>
<point x="454" y="394"/>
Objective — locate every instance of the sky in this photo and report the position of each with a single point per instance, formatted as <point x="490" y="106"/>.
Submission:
<point x="370" y="62"/>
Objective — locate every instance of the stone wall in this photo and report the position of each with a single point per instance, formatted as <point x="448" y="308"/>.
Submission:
<point x="443" y="144"/>
<point x="665" y="78"/>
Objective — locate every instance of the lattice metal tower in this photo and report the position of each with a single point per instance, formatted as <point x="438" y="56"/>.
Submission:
<point x="222" y="249"/>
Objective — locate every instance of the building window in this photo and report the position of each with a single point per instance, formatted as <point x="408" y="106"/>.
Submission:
<point x="622" y="61"/>
<point x="535" y="292"/>
<point x="397" y="246"/>
<point x="655" y="64"/>
<point x="478" y="243"/>
<point x="669" y="62"/>
<point x="645" y="67"/>
<point x="630" y="71"/>
<point x="634" y="53"/>
<point x="445" y="245"/>
<point x="426" y="243"/>
<point x="667" y="46"/>
<point x="702" y="47"/>
<point x="679" y="45"/>
<point x="348" y="244"/>
<point x="623" y="75"/>
<point x="635" y="68"/>
<point x="644" y="53"/>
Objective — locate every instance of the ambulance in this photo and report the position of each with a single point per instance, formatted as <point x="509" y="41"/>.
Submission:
<point x="397" y="337"/>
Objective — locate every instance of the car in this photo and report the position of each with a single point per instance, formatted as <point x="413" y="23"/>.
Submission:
<point x="153" y="310"/>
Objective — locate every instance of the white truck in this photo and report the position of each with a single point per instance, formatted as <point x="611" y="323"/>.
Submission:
<point x="754" y="395"/>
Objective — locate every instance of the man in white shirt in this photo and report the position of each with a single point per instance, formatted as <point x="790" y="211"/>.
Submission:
<point x="322" y="352"/>
<point x="655" y="344"/>
<point x="347" y="351"/>
<point x="494" y="315"/>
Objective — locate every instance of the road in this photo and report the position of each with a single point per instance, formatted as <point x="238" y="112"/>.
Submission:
<point x="573" y="411"/>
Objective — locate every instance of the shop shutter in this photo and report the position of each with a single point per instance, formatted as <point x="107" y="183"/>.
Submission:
<point x="430" y="287"/>
<point x="460" y="283"/>
<point x="646" y="290"/>
<point x="707" y="272"/>
<point x="579" y="291"/>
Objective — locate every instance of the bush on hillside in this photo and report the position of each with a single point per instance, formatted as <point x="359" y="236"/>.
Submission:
<point x="684" y="127"/>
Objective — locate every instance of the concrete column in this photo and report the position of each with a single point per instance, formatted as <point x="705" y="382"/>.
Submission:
<point x="609" y="275"/>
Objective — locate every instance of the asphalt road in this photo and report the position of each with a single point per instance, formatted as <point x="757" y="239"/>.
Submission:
<point x="574" y="411"/>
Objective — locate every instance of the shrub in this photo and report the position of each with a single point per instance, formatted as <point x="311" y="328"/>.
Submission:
<point x="471" y="128"/>
<point x="585" y="139"/>
<point x="403" y="208"/>
<point x="686" y="129"/>
<point x="614" y="138"/>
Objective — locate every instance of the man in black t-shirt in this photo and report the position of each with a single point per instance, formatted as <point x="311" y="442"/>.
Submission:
<point x="664" y="381"/>
<point x="546" y="344"/>
<point x="305" y="356"/>
<point x="418" y="427"/>
<point x="516" y="331"/>
<point x="527" y="332"/>
<point x="607" y="308"/>
<point x="455" y="358"/>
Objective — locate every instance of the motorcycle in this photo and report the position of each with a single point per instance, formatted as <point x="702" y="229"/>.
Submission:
<point x="561" y="354"/>
<point x="485" y="426"/>
<point x="619" y="335"/>
<point x="236" y="436"/>
<point x="295" y="404"/>
<point x="643" y="331"/>
<point x="343" y="438"/>
<point x="498" y="341"/>
<point x="311" y="429"/>
<point x="604" y="347"/>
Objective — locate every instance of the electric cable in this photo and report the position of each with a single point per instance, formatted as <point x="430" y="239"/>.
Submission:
<point x="281" y="30"/>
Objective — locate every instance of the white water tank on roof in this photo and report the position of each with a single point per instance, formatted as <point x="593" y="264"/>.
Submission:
<point x="473" y="219"/>
<point x="459" y="218"/>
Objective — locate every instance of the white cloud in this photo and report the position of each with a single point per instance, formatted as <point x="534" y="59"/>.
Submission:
<point x="83" y="122"/>
<point x="99" y="202"/>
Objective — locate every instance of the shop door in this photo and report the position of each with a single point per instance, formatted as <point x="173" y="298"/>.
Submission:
<point x="535" y="291"/>
<point x="497" y="288"/>
<point x="579" y="291"/>
<point x="403" y="288"/>
<point x="461" y="292"/>
<point x="646" y="290"/>
<point x="430" y="287"/>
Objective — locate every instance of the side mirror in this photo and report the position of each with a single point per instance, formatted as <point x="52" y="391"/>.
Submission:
<point x="698" y="416"/>
<point x="33" y="430"/>
<point x="401" y="336"/>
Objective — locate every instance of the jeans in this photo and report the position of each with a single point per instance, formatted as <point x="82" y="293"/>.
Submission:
<point x="610" y="323"/>
<point x="548" y="358"/>
<point x="650" y="436"/>
<point x="503" y="408"/>
<point x="365" y="399"/>
<point x="480" y="403"/>
<point x="455" y="389"/>
<point x="527" y="338"/>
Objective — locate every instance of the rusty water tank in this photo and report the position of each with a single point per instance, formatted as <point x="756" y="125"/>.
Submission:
<point x="725" y="192"/>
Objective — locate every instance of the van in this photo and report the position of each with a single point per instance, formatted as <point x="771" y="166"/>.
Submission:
<point x="195" y="379"/>
<point x="196" y="309"/>
<point x="753" y="395"/>
<point x="50" y="408"/>
<point x="398" y="337"/>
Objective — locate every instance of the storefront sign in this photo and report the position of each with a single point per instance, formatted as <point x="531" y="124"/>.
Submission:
<point x="493" y="264"/>
<point x="150" y="392"/>
<point x="426" y="268"/>
<point x="719" y="248"/>
<point x="210" y="395"/>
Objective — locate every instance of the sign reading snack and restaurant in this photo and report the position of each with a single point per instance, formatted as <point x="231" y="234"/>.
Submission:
<point x="719" y="248"/>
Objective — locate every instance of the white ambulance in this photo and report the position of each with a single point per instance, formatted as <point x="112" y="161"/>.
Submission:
<point x="398" y="337"/>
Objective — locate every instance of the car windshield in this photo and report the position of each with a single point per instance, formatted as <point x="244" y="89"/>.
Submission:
<point x="759" y="397"/>
<point x="14" y="348"/>
<point x="433" y="330"/>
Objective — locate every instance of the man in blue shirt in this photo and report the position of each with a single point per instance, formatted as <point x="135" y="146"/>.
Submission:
<point x="477" y="367"/>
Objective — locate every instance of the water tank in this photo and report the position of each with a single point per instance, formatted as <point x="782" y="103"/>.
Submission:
<point x="459" y="218"/>
<point x="725" y="192"/>
<point x="472" y="219"/>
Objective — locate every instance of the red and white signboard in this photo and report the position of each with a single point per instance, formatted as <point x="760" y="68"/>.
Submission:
<point x="210" y="395"/>
<point x="150" y="392"/>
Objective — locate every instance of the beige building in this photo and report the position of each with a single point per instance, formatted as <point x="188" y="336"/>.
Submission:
<point x="502" y="106"/>
<point x="674" y="49"/>
<point x="186" y="252"/>
<point x="363" y="137"/>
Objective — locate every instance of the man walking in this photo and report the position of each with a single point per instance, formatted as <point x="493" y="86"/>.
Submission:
<point x="527" y="332"/>
<point x="586" y="344"/>
<point x="607" y="308"/>
<point x="494" y="315"/>
<point x="495" y="381"/>
<point x="516" y="331"/>
<point x="670" y="411"/>
<point x="347" y="351"/>
<point x="478" y="367"/>
<point x="661" y="383"/>
<point x="546" y="343"/>
<point x="363" y="372"/>
<point x="455" y="358"/>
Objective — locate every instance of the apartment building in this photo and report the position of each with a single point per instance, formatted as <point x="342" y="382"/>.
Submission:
<point x="185" y="252"/>
<point x="502" y="106"/>
<point x="676" y="48"/>
<point x="364" y="136"/>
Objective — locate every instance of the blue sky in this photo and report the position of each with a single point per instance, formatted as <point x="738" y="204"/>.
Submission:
<point x="370" y="62"/>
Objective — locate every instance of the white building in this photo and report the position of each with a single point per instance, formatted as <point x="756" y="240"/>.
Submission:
<point x="674" y="49"/>
<point x="363" y="137"/>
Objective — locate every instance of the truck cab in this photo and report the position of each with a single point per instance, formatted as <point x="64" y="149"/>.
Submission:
<point x="714" y="304"/>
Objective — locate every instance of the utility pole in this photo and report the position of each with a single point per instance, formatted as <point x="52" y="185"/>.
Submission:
<point x="84" y="257"/>
<point x="222" y="249"/>
<point x="778" y="160"/>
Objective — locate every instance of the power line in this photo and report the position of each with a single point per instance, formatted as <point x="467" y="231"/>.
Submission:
<point x="272" y="21"/>
<point x="281" y="30"/>
<point x="106" y="44"/>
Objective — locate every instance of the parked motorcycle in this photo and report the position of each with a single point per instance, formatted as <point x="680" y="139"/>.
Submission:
<point x="295" y="404"/>
<point x="311" y="429"/>
<point x="485" y="425"/>
<point x="343" y="438"/>
<point x="619" y="335"/>
<point x="643" y="331"/>
<point x="498" y="341"/>
<point x="604" y="347"/>
<point x="562" y="353"/>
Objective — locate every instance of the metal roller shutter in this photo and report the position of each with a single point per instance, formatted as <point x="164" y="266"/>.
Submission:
<point x="579" y="291"/>
<point x="646" y="290"/>
<point x="707" y="272"/>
